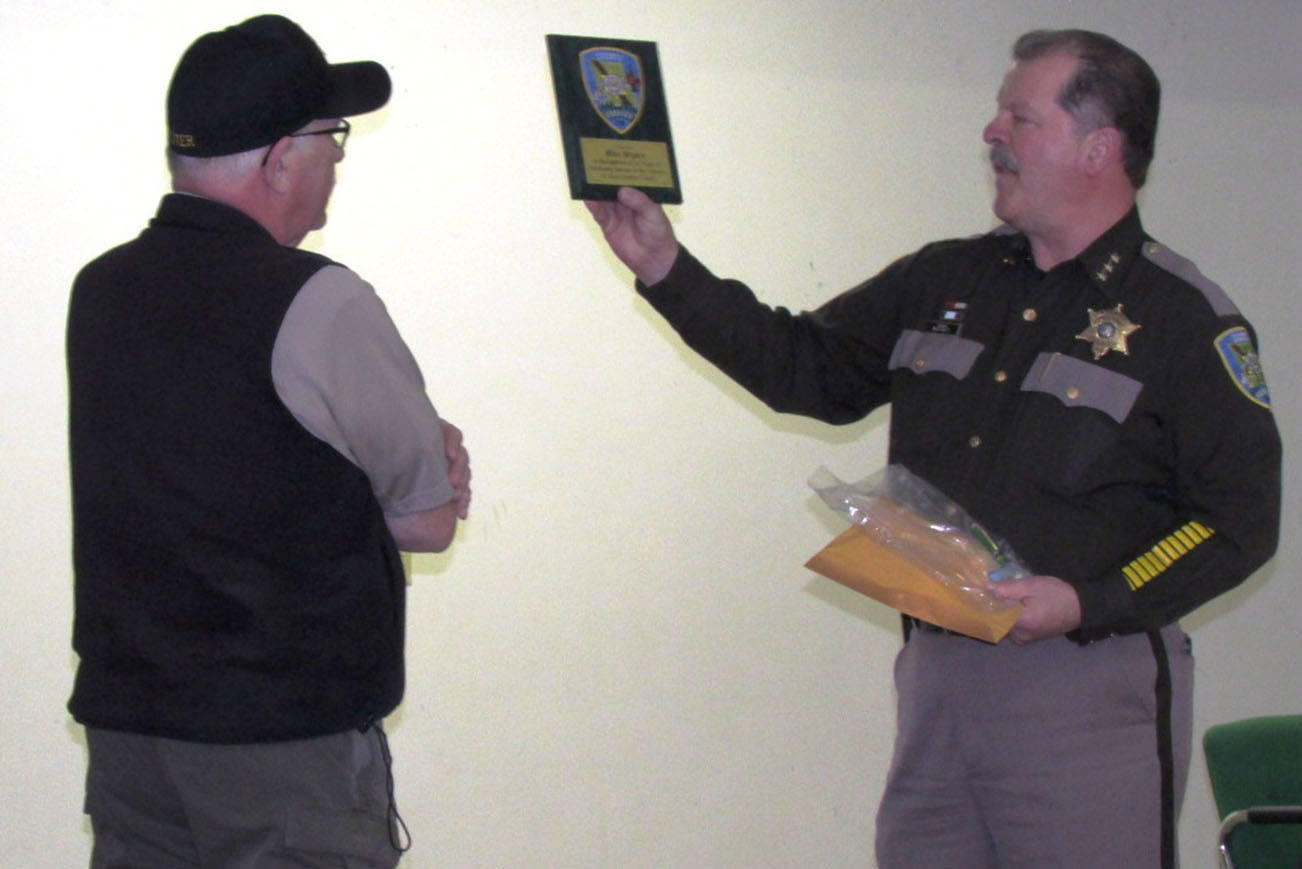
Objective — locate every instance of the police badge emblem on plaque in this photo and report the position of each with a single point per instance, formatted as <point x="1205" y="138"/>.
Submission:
<point x="612" y="78"/>
<point x="614" y="122"/>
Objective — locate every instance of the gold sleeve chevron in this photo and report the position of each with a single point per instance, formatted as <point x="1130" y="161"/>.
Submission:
<point x="1167" y="552"/>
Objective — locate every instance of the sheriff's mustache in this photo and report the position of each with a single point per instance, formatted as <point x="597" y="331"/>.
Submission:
<point x="1002" y="160"/>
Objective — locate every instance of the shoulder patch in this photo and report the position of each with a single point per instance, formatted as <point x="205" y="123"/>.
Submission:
<point x="1243" y="364"/>
<point x="1168" y="260"/>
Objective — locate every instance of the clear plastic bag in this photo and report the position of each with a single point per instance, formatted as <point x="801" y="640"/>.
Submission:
<point x="905" y="513"/>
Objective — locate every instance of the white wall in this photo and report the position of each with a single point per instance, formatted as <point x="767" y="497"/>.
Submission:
<point x="622" y="662"/>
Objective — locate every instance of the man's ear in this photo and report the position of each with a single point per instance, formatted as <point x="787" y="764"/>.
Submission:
<point x="1102" y="149"/>
<point x="275" y="169"/>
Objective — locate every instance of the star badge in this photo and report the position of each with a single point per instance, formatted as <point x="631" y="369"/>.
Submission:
<point x="1108" y="331"/>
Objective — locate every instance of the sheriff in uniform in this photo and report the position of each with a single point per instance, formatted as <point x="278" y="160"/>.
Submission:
<point x="1087" y="395"/>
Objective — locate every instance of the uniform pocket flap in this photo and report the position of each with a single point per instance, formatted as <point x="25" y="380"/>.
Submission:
<point x="1077" y="383"/>
<point x="921" y="352"/>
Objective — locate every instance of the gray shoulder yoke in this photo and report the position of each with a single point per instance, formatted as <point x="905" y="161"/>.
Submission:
<point x="1168" y="260"/>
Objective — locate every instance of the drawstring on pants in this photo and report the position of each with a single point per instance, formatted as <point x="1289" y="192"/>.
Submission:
<point x="399" y="835"/>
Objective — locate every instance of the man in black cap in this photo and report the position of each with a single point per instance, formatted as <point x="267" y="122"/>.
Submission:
<point x="251" y="446"/>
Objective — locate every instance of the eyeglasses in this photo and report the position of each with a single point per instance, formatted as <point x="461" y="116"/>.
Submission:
<point x="339" y="134"/>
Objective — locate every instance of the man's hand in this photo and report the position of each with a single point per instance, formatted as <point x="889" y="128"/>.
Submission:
<point x="639" y="233"/>
<point x="1052" y="607"/>
<point x="433" y="530"/>
<point x="458" y="466"/>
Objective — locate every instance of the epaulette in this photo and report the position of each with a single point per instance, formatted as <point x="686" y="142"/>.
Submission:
<point x="1168" y="260"/>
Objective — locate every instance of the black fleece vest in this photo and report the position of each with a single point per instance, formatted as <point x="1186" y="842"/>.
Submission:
<point x="235" y="580"/>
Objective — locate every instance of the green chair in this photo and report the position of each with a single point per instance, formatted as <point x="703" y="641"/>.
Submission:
<point x="1256" y="770"/>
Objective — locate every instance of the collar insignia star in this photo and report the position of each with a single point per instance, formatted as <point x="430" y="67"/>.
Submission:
<point x="1106" y="270"/>
<point x="1108" y="331"/>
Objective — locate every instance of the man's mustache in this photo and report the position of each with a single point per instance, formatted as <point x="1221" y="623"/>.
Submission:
<point x="1002" y="160"/>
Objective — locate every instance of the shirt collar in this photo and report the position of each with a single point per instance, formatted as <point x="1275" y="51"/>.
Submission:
<point x="190" y="211"/>
<point x="1103" y="262"/>
<point x="1112" y="253"/>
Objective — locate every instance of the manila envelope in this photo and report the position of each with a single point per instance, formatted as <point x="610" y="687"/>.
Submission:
<point x="856" y="560"/>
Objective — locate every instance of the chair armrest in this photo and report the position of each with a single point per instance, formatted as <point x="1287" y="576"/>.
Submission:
<point x="1254" y="815"/>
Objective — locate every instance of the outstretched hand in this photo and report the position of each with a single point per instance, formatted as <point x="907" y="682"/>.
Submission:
<point x="639" y="233"/>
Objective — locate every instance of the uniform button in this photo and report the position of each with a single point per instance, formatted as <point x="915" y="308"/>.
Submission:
<point x="1073" y="393"/>
<point x="974" y="441"/>
<point x="1030" y="315"/>
<point x="919" y="363"/>
<point x="1001" y="376"/>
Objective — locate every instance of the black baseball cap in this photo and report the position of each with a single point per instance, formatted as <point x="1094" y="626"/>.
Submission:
<point x="248" y="85"/>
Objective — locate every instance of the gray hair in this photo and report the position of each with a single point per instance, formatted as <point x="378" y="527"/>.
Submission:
<point x="204" y="171"/>
<point x="1112" y="87"/>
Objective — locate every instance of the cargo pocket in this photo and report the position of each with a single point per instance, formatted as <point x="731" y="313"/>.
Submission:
<point x="359" y="839"/>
